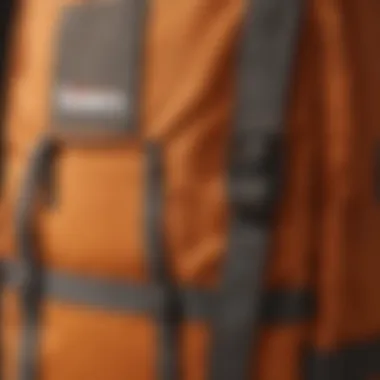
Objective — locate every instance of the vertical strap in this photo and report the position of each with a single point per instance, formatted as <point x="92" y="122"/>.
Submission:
<point x="167" y="311"/>
<point x="27" y="249"/>
<point x="269" y="41"/>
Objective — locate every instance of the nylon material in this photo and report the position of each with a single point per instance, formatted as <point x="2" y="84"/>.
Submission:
<point x="188" y="101"/>
<point x="27" y="108"/>
<point x="283" y="343"/>
<point x="236" y="325"/>
<point x="8" y="15"/>
<point x="10" y="323"/>
<point x="28" y="198"/>
<point x="153" y="210"/>
<point x="24" y="125"/>
<point x="360" y="300"/>
<point x="286" y="344"/>
<point x="95" y="95"/>
<point x="64" y="325"/>
<point x="280" y="306"/>
<point x="102" y="353"/>
<point x="196" y="247"/>
<point x="197" y="63"/>
<point x="336" y="134"/>
<point x="295" y="241"/>
<point x="29" y="95"/>
<point x="267" y="105"/>
<point x="194" y="351"/>
<point x="199" y="262"/>
<point x="6" y="228"/>
<point x="36" y="39"/>
<point x="358" y="360"/>
<point x="159" y="271"/>
<point x="112" y="245"/>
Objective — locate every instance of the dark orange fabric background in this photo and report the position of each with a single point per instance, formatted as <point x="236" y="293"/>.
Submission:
<point x="326" y="236"/>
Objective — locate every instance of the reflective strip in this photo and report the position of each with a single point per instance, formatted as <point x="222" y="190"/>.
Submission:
<point x="355" y="362"/>
<point x="280" y="307"/>
<point x="269" y="41"/>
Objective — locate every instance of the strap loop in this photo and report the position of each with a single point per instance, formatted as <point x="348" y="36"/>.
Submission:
<point x="30" y="274"/>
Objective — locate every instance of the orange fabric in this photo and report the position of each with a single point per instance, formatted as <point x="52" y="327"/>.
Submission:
<point x="335" y="135"/>
<point x="10" y="334"/>
<point x="91" y="182"/>
<point x="363" y="215"/>
<point x="326" y="233"/>
<point x="284" y="346"/>
<point x="348" y="261"/>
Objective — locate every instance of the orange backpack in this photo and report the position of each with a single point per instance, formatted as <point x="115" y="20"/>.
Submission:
<point x="190" y="190"/>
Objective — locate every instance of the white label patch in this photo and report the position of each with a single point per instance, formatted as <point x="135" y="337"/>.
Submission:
<point x="85" y="102"/>
<point x="96" y="84"/>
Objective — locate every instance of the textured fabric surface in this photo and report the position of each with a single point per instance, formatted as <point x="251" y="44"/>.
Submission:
<point x="326" y="233"/>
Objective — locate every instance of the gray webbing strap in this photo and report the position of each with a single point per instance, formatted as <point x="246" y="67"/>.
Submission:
<point x="286" y="306"/>
<point x="269" y="41"/>
<point x="167" y="314"/>
<point x="29" y="258"/>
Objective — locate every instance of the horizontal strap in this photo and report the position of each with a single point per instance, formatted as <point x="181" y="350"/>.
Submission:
<point x="359" y="361"/>
<point x="283" y="306"/>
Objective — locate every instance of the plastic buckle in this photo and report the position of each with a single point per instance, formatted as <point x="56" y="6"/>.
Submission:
<point x="252" y="197"/>
<point x="255" y="178"/>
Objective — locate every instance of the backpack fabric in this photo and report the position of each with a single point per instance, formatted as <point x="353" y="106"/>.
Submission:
<point x="190" y="190"/>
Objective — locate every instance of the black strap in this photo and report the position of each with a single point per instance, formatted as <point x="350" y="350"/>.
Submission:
<point x="269" y="37"/>
<point x="168" y="312"/>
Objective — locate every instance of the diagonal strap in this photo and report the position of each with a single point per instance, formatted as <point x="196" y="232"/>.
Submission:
<point x="269" y="41"/>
